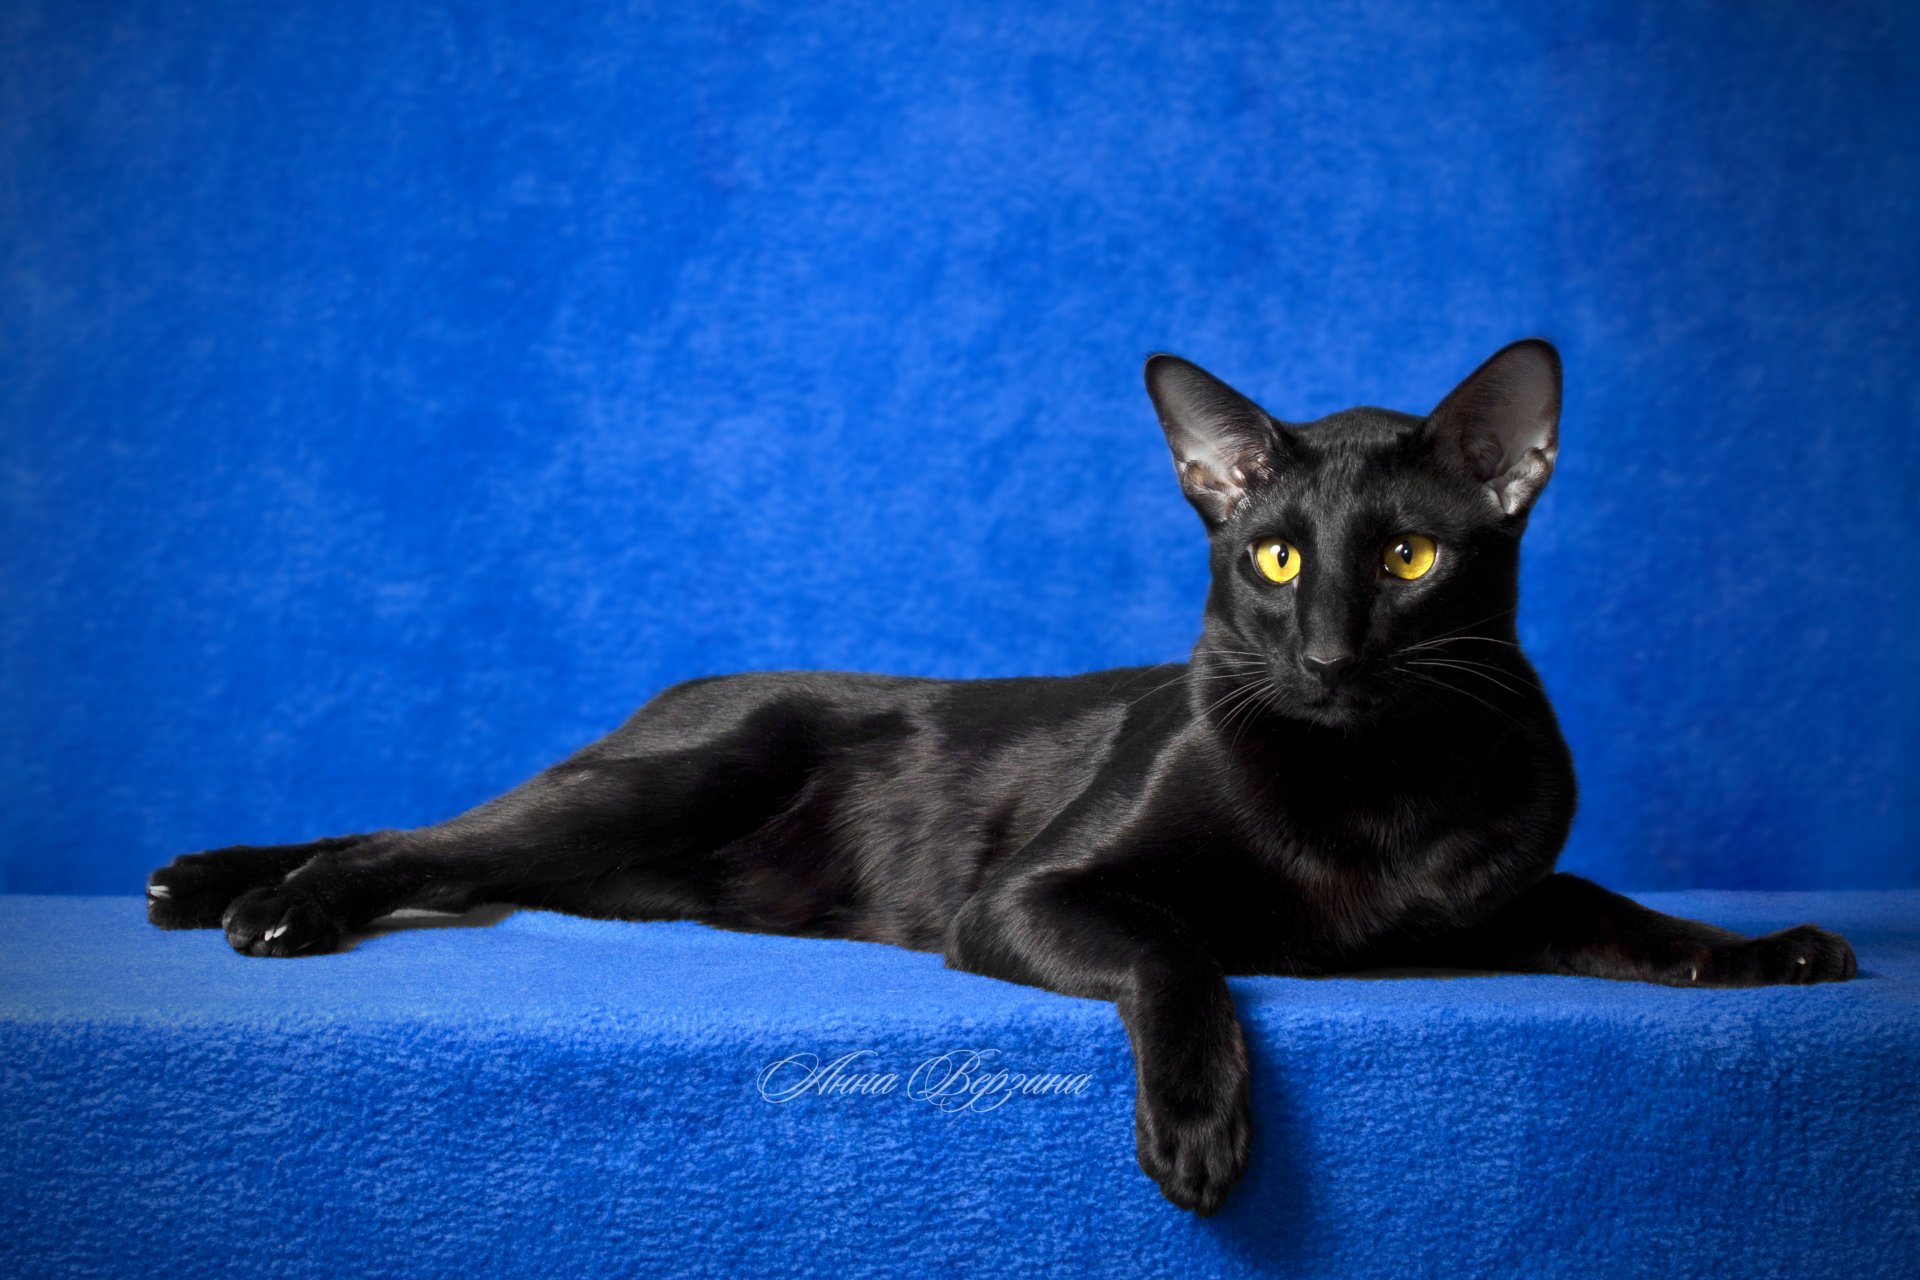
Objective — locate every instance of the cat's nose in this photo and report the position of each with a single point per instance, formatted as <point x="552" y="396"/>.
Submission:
<point x="1327" y="665"/>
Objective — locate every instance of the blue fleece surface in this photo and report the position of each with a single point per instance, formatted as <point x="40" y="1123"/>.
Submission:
<point x="553" y="1096"/>
<point x="394" y="395"/>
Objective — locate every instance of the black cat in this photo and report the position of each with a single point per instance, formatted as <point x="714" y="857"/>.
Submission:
<point x="1358" y="767"/>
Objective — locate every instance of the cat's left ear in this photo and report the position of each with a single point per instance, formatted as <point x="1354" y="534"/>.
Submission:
<point x="1224" y="445"/>
<point x="1502" y="425"/>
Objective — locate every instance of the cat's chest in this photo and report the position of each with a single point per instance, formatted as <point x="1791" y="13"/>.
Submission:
<point x="1369" y="806"/>
<point x="1358" y="850"/>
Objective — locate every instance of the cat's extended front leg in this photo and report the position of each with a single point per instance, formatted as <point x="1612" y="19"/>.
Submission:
<point x="1565" y="924"/>
<point x="1060" y="930"/>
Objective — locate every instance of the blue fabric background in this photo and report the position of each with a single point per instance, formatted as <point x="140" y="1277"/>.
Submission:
<point x="393" y="396"/>
<point x="571" y="1098"/>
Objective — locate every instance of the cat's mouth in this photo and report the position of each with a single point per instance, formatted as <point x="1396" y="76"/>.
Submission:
<point x="1336" y="706"/>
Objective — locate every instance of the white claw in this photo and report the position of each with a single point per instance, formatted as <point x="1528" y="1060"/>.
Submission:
<point x="159" y="891"/>
<point x="1693" y="975"/>
<point x="274" y="932"/>
<point x="1799" y="959"/>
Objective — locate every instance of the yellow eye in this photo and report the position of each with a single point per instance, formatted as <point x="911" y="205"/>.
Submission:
<point x="1279" y="561"/>
<point x="1409" y="556"/>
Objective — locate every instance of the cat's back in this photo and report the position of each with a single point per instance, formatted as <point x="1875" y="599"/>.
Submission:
<point x="854" y="706"/>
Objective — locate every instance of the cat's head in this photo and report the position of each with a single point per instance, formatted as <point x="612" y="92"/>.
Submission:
<point x="1365" y="560"/>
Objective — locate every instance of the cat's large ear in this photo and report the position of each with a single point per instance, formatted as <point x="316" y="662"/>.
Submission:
<point x="1502" y="425"/>
<point x="1224" y="445"/>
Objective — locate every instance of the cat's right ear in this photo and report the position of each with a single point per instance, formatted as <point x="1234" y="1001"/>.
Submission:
<point x="1224" y="445"/>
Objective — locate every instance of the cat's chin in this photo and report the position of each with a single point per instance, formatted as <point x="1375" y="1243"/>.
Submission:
<point x="1334" y="710"/>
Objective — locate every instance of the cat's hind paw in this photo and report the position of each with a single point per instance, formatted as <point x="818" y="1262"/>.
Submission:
<point x="278" y="921"/>
<point x="194" y="890"/>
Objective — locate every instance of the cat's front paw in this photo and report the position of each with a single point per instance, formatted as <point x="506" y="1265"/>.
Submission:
<point x="1804" y="953"/>
<point x="1192" y="1113"/>
<point x="281" y="921"/>
<point x="1195" y="1143"/>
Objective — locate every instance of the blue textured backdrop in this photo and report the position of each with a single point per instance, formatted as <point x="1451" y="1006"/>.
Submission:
<point x="549" y="1097"/>
<point x="393" y="396"/>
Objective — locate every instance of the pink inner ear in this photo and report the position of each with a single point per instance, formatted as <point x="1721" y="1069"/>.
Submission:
<point x="1221" y="441"/>
<point x="1206" y="487"/>
<point x="1219" y="473"/>
<point x="1502" y="423"/>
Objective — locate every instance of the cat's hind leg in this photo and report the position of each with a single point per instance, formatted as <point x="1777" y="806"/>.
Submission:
<point x="628" y="838"/>
<point x="555" y="829"/>
<point x="195" y="889"/>
<point x="635" y="826"/>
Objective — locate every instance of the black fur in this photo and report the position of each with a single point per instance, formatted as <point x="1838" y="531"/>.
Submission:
<point x="1134" y="835"/>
